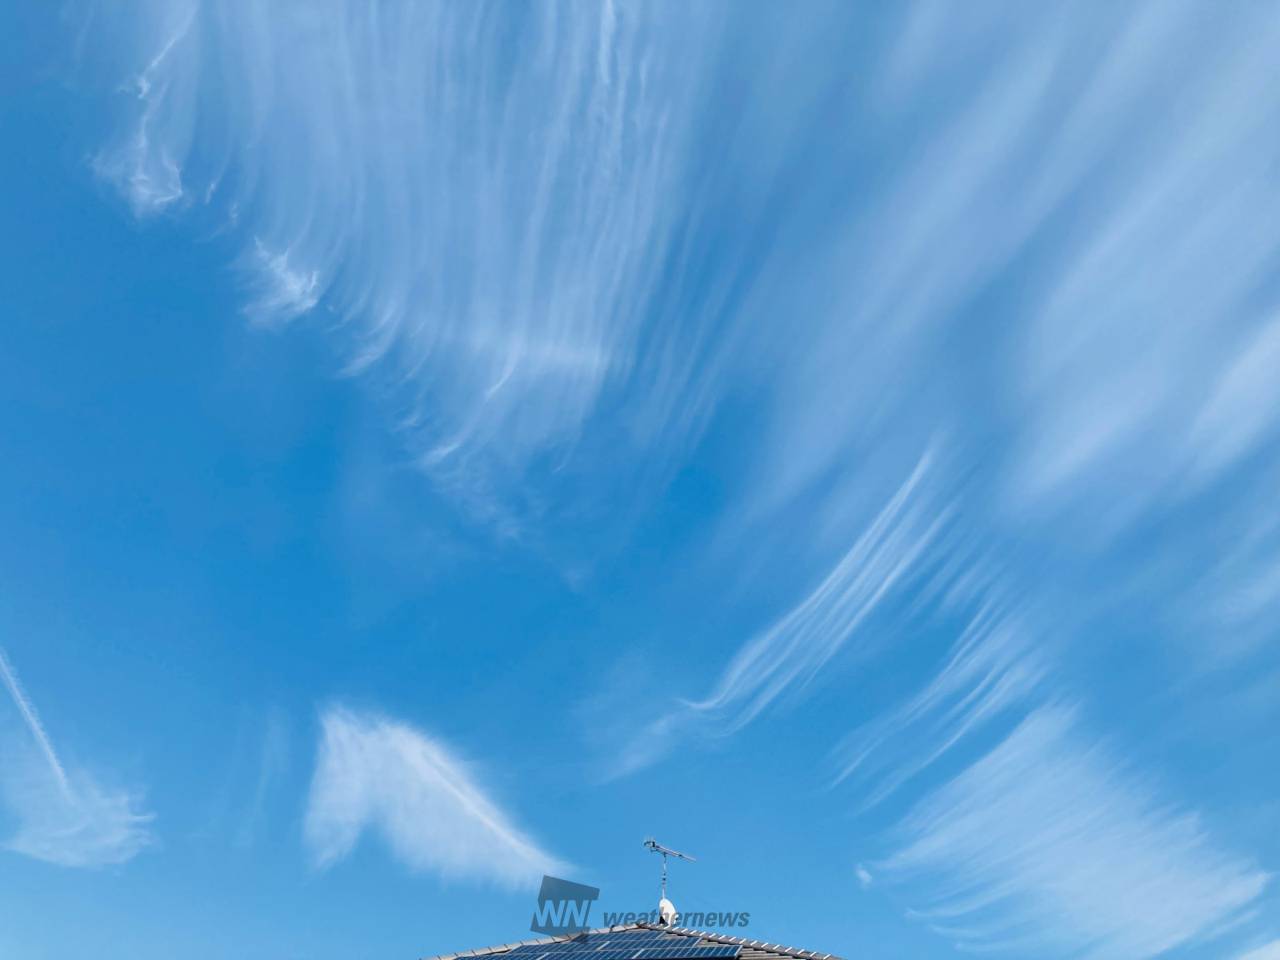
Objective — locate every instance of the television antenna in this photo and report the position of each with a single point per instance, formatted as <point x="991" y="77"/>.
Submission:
<point x="656" y="847"/>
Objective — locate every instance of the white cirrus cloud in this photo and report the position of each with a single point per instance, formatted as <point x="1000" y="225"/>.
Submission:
<point x="789" y="655"/>
<point x="1048" y="844"/>
<point x="1143" y="372"/>
<point x="992" y="667"/>
<point x="378" y="774"/>
<point x="486" y="219"/>
<point x="65" y="816"/>
<point x="1268" y="951"/>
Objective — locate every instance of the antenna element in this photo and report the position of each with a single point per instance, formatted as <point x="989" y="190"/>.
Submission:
<point x="656" y="847"/>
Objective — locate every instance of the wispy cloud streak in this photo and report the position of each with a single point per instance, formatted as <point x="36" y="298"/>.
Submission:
<point x="477" y="194"/>
<point x="32" y="720"/>
<point x="64" y="817"/>
<point x="791" y="653"/>
<point x="1049" y="845"/>
<point x="373" y="773"/>
<point x="1268" y="951"/>
<point x="991" y="668"/>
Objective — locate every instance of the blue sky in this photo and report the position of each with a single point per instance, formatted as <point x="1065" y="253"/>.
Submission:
<point x="444" y="444"/>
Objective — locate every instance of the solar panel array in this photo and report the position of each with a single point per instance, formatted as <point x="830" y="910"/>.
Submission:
<point x="675" y="952"/>
<point x="621" y="939"/>
<point x="626" y="945"/>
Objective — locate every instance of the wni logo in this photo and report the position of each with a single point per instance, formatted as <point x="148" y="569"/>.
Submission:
<point x="563" y="907"/>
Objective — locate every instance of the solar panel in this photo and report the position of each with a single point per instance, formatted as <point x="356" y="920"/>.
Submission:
<point x="581" y="944"/>
<point x="536" y="949"/>
<point x="626" y="945"/>
<point x="668" y="951"/>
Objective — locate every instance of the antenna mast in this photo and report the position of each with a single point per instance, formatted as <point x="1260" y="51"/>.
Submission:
<point x="656" y="847"/>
